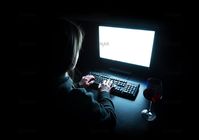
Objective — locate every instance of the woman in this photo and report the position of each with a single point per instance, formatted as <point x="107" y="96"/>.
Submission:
<point x="74" y="108"/>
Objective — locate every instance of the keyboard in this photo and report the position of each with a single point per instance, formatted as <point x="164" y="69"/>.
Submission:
<point x="122" y="88"/>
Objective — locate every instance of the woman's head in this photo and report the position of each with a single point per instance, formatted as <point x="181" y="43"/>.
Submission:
<point x="66" y="41"/>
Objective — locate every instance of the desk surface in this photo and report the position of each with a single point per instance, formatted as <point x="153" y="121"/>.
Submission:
<point x="129" y="119"/>
<point x="128" y="112"/>
<point x="131" y="123"/>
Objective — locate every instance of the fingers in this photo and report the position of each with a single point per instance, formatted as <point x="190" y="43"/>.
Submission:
<point x="87" y="80"/>
<point x="106" y="85"/>
<point x="110" y="83"/>
<point x="90" y="82"/>
<point x="90" y="77"/>
<point x="104" y="82"/>
<point x="99" y="86"/>
<point x="107" y="82"/>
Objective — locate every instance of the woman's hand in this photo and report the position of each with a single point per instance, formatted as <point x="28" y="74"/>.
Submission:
<point x="87" y="80"/>
<point x="106" y="85"/>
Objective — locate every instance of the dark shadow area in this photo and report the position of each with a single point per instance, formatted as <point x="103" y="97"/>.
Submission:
<point x="169" y="64"/>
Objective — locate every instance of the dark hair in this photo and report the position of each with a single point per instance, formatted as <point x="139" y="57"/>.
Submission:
<point x="65" y="41"/>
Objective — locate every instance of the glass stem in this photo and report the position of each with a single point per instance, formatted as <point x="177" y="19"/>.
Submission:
<point x="150" y="104"/>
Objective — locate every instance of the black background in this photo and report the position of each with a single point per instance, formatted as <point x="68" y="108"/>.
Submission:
<point x="171" y="63"/>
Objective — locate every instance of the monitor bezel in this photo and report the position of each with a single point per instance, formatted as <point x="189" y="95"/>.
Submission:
<point x="126" y="67"/>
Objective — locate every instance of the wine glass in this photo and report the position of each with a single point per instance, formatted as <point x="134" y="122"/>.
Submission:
<point x="153" y="93"/>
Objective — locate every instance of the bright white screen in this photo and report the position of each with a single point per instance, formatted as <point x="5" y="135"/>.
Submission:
<point x="133" y="46"/>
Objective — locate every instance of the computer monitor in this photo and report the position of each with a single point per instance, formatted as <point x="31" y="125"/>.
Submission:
<point x="126" y="47"/>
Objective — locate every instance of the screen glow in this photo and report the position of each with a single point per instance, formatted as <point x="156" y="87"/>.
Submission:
<point x="133" y="46"/>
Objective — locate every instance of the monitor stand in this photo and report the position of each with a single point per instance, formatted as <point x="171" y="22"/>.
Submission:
<point x="119" y="71"/>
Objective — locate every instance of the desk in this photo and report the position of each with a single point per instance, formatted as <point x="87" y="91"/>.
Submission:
<point x="129" y="119"/>
<point x="131" y="123"/>
<point x="128" y="113"/>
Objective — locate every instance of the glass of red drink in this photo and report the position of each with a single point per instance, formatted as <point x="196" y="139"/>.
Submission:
<point x="153" y="93"/>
